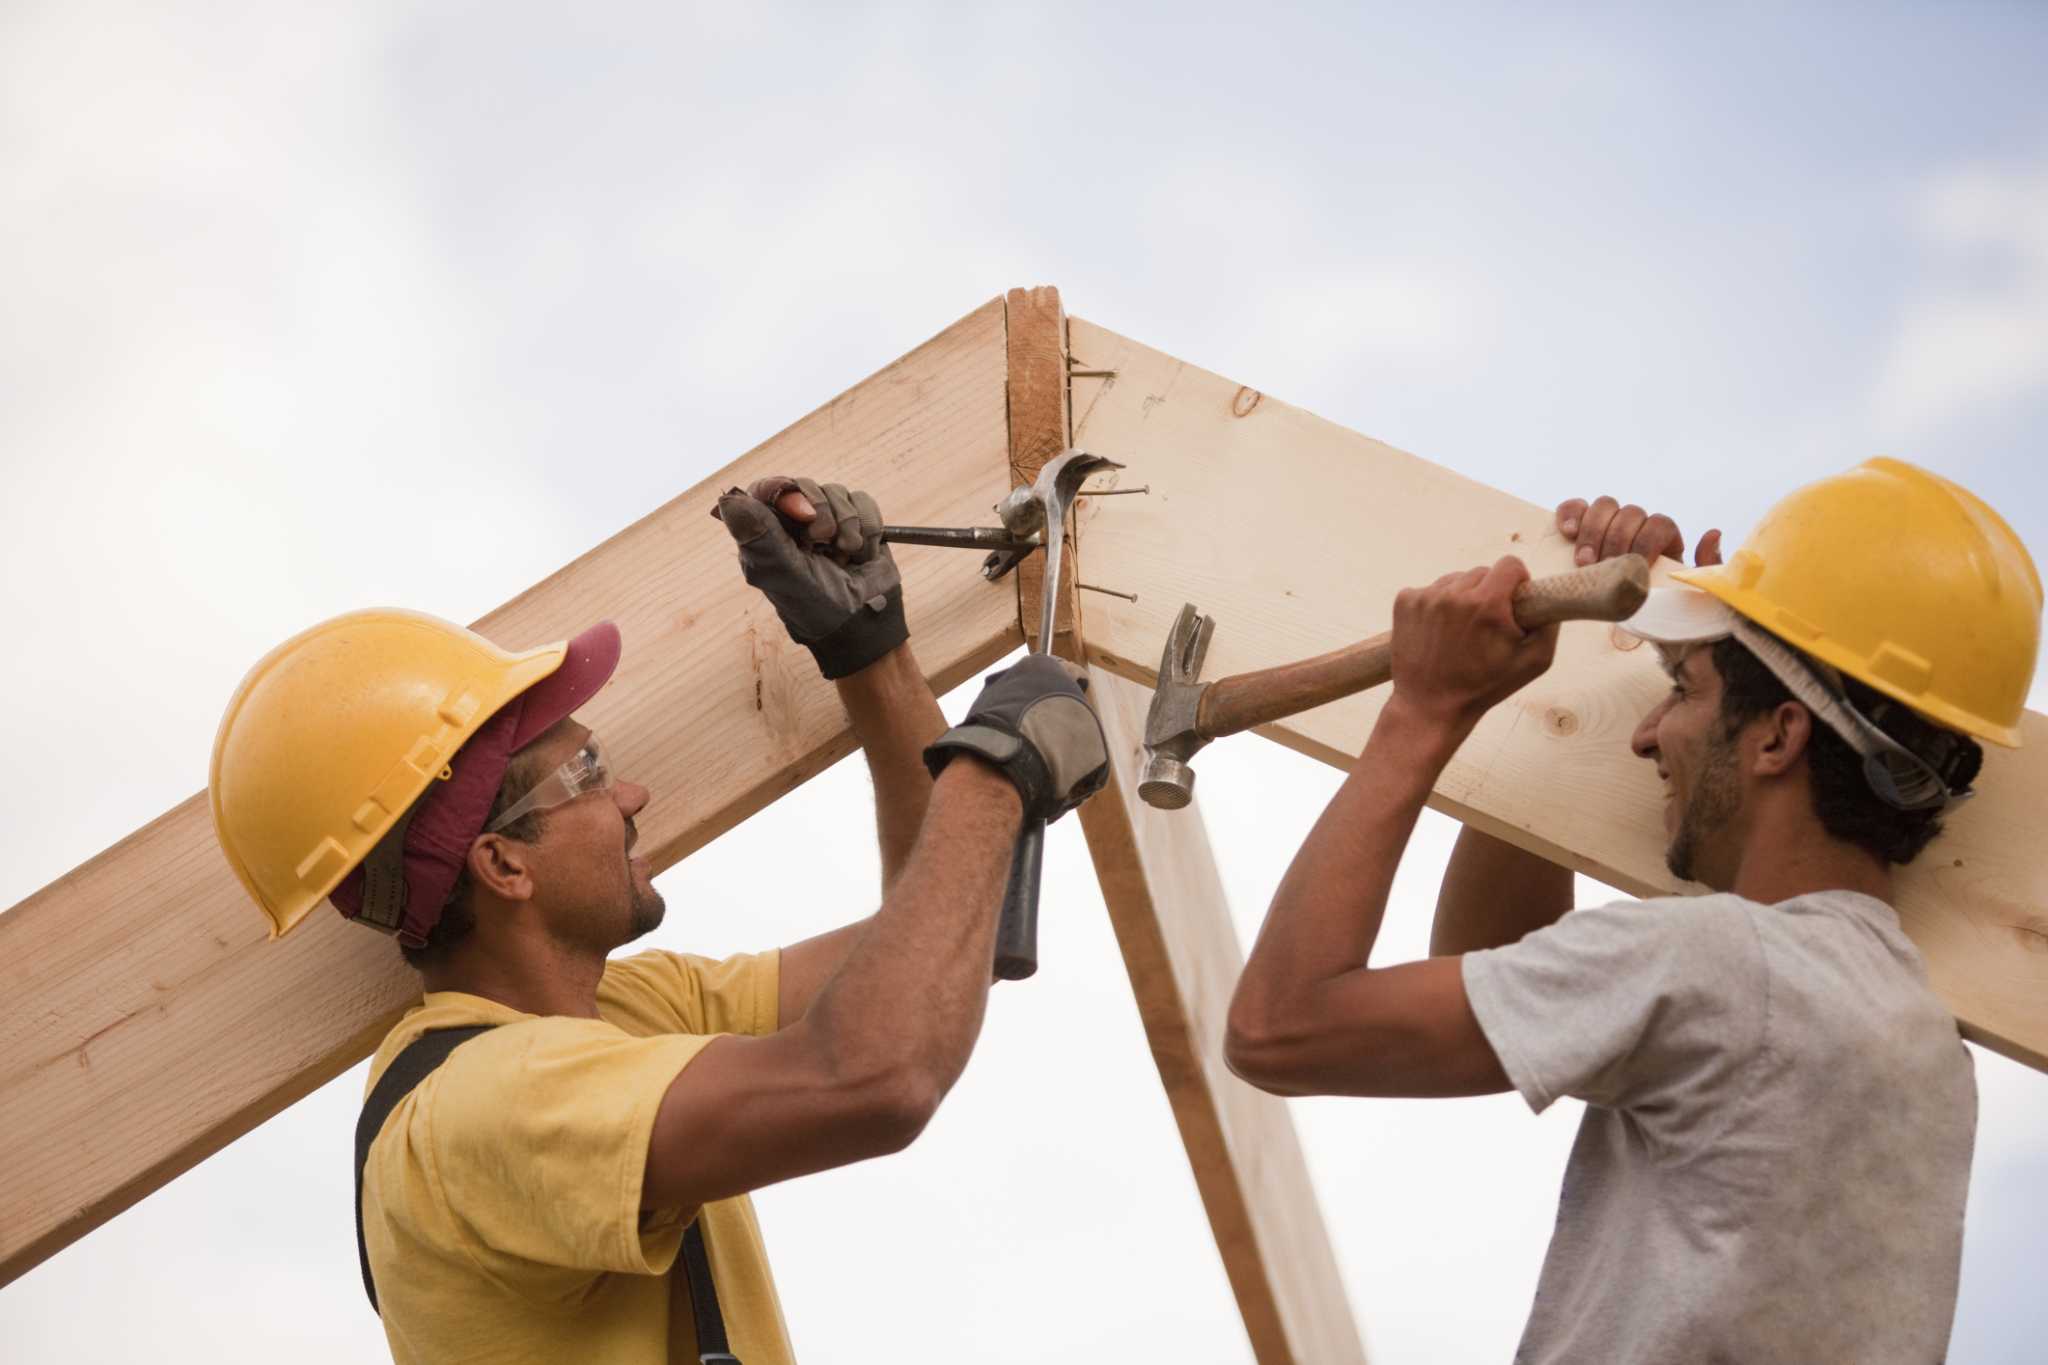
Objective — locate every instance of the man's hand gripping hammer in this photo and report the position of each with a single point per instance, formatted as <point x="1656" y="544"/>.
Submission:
<point x="1187" y="714"/>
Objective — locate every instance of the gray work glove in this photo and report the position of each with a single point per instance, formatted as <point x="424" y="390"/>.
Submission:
<point x="832" y="582"/>
<point x="1035" y="723"/>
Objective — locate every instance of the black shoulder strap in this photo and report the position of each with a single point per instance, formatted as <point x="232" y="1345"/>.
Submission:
<point x="414" y="1065"/>
<point x="407" y="1070"/>
<point x="711" y="1344"/>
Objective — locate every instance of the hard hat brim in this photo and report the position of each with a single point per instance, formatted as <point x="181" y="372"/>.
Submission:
<point x="1681" y="616"/>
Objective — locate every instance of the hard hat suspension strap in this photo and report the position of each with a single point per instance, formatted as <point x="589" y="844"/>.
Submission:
<point x="1898" y="776"/>
<point x="384" y="877"/>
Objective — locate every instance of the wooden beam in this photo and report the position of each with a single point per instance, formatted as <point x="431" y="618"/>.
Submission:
<point x="1166" y="903"/>
<point x="147" y="1020"/>
<point x="1295" y="534"/>
<point x="1037" y="339"/>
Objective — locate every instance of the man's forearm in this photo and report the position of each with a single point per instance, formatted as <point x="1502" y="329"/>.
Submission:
<point x="894" y="717"/>
<point x="863" y="1071"/>
<point x="909" y="998"/>
<point x="1326" y="914"/>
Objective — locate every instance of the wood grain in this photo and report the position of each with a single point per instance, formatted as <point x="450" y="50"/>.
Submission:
<point x="147" y="1019"/>
<point x="1037" y="332"/>
<point x="1172" y="921"/>
<point x="1167" y="906"/>
<point x="1600" y="592"/>
<point x="1295" y="534"/>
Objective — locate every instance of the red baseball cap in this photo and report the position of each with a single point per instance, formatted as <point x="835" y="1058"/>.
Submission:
<point x="446" y="821"/>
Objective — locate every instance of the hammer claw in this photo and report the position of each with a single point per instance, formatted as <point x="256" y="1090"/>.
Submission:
<point x="1192" y="632"/>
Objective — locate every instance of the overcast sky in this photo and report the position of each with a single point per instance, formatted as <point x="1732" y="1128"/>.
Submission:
<point x="309" y="308"/>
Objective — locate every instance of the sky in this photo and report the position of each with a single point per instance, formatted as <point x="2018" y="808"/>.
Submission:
<point x="314" y="308"/>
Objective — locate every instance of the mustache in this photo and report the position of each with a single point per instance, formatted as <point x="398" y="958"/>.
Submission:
<point x="632" y="835"/>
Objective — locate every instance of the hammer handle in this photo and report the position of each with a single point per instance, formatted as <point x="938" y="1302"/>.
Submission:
<point x="1609" y="591"/>
<point x="958" y="538"/>
<point x="1017" y="930"/>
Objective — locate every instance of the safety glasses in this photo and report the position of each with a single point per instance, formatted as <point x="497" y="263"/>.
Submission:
<point x="586" y="771"/>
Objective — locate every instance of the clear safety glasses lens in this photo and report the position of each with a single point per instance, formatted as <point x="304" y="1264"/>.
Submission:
<point x="585" y="772"/>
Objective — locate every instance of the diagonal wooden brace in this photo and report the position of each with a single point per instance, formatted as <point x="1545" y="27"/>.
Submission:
<point x="1166" y="903"/>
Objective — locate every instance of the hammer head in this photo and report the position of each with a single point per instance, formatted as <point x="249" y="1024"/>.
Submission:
<point x="1023" y="509"/>
<point x="1060" y="480"/>
<point x="1170" y="739"/>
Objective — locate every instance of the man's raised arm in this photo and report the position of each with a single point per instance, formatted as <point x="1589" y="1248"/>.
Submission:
<point x="815" y="551"/>
<point x="864" y="1069"/>
<point x="1310" y="1016"/>
<point x="1493" y="893"/>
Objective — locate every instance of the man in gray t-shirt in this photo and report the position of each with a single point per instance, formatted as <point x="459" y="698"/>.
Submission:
<point x="1776" y="1146"/>
<point x="1777" y="1137"/>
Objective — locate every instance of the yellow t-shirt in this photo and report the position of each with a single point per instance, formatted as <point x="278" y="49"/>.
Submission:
<point x="501" y="1202"/>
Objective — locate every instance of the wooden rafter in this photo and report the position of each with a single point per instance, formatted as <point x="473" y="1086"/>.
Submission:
<point x="147" y="1022"/>
<point x="1295" y="534"/>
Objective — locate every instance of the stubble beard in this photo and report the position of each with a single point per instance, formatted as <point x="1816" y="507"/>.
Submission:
<point x="648" y="910"/>
<point x="645" y="907"/>
<point x="1715" y="797"/>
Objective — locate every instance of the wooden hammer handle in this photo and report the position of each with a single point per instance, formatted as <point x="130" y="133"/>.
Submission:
<point x="1609" y="591"/>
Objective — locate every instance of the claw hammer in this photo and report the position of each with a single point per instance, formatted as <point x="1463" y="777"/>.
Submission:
<point x="1017" y="933"/>
<point x="1187" y="714"/>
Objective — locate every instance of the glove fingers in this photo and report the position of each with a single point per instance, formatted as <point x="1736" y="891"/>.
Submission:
<point x="846" y="536"/>
<point x="747" y="518"/>
<point x="771" y="488"/>
<point x="770" y="492"/>
<point x="870" y="526"/>
<point x="822" y="530"/>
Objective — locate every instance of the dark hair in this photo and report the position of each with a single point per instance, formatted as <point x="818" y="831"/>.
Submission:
<point x="458" y="915"/>
<point x="1842" y="799"/>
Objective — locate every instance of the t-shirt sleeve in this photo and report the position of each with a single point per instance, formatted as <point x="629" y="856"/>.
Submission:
<point x="535" y="1140"/>
<point x="1624" y="1005"/>
<point x="663" y="992"/>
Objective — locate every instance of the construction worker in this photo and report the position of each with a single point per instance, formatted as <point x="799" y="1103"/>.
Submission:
<point x="1776" y="1145"/>
<point x="557" y="1147"/>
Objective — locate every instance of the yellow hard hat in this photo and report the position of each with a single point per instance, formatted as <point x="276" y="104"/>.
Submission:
<point x="1902" y="580"/>
<point x="334" y="735"/>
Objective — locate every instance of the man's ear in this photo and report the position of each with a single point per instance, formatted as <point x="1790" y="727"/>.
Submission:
<point x="1781" y="741"/>
<point x="500" y="866"/>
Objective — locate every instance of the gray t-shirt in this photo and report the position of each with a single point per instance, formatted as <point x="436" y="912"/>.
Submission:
<point x="1777" y="1138"/>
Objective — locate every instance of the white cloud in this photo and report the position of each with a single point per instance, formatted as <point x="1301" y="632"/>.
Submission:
<point x="1975" y="333"/>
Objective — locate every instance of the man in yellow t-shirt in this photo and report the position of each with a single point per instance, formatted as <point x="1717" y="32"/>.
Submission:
<point x="513" y="1172"/>
<point x="540" y="1192"/>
